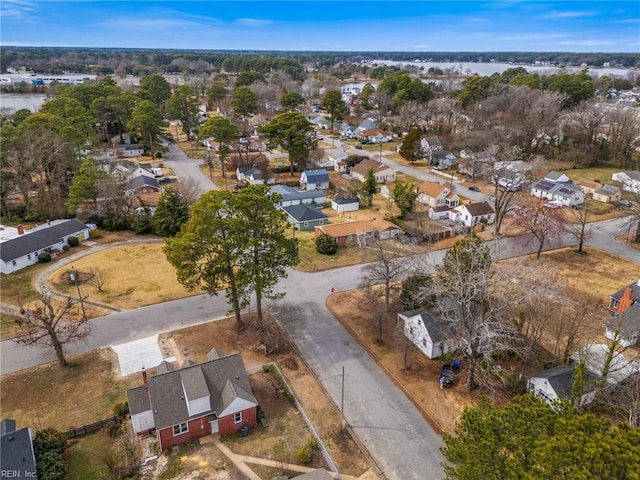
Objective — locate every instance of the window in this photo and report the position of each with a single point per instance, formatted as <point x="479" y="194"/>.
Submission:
<point x="28" y="256"/>
<point x="14" y="263"/>
<point x="306" y="224"/>
<point x="424" y="342"/>
<point x="180" y="429"/>
<point x="237" y="417"/>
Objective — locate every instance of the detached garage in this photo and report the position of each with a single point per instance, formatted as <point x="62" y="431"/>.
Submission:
<point x="342" y="204"/>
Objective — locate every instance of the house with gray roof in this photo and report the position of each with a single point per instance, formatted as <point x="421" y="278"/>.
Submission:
<point x="555" y="384"/>
<point x="314" y="179"/>
<point x="20" y="248"/>
<point x="17" y="459"/>
<point x="630" y="180"/>
<point x="182" y="405"/>
<point x="556" y="186"/>
<point x="427" y="330"/>
<point x="624" y="306"/>
<point x="292" y="196"/>
<point x="304" y="217"/>
<point x="142" y="184"/>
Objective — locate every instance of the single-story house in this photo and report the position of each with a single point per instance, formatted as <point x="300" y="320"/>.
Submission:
<point x="319" y="121"/>
<point x="314" y="179"/>
<point x="607" y="194"/>
<point x="386" y="190"/>
<point x="343" y="204"/>
<point x="588" y="186"/>
<point x="439" y="213"/>
<point x="194" y="401"/>
<point x="556" y="186"/>
<point x="473" y="213"/>
<point x="436" y="194"/>
<point x="20" y="248"/>
<point x="142" y="184"/>
<point x="374" y="135"/>
<point x="254" y="175"/>
<point x="427" y="331"/>
<point x="381" y="172"/>
<point x="304" y="217"/>
<point x="430" y="144"/>
<point x="361" y="233"/>
<point x="556" y="384"/>
<point x="293" y="196"/>
<point x="630" y="180"/>
<point x="18" y="459"/>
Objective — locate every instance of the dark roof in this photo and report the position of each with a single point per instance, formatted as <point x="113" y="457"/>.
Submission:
<point x="628" y="323"/>
<point x="316" y="175"/>
<point x="138" y="400"/>
<point x="165" y="367"/>
<point x="16" y="447"/>
<point x="544" y="185"/>
<point x="320" y="474"/>
<point x="434" y="323"/>
<point x="142" y="180"/>
<point x="634" y="287"/>
<point x="304" y="213"/>
<point x="480" y="208"/>
<point x="223" y="379"/>
<point x="345" y="201"/>
<point x="561" y="379"/>
<point x="39" y="239"/>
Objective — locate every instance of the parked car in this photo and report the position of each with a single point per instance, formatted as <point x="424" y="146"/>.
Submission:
<point x="623" y="203"/>
<point x="473" y="188"/>
<point x="447" y="376"/>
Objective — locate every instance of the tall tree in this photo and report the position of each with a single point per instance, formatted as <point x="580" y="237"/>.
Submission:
<point x="171" y="213"/>
<point x="148" y="121"/>
<point x="183" y="105"/>
<point x="224" y="132"/>
<point x="291" y="101"/>
<point x="368" y="187"/>
<point x="244" y="103"/>
<point x="84" y="185"/>
<point x="411" y="148"/>
<point x="294" y="133"/>
<point x="404" y="196"/>
<point x="156" y="89"/>
<point x="333" y="103"/>
<point x="216" y="92"/>
<point x="45" y="323"/>
<point x="268" y="250"/>
<point x="580" y="228"/>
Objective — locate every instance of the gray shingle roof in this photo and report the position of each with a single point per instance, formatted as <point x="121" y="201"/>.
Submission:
<point x="290" y="194"/>
<point x="434" y="323"/>
<point x="193" y="382"/>
<point x="17" y="450"/>
<point x="561" y="379"/>
<point x="480" y="208"/>
<point x="166" y="393"/>
<point x="143" y="180"/>
<point x="304" y="213"/>
<point x="40" y="239"/>
<point x="635" y="289"/>
<point x="628" y="324"/>
<point x="345" y="201"/>
<point x="319" y="175"/>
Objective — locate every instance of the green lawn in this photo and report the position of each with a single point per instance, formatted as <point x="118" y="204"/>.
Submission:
<point x="85" y="456"/>
<point x="595" y="174"/>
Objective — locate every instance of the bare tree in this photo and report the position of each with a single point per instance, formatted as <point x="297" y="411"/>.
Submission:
<point x="542" y="223"/>
<point x="389" y="268"/>
<point x="580" y="227"/>
<point x="98" y="277"/>
<point x="45" y="323"/>
<point x="569" y="327"/>
<point x="189" y="189"/>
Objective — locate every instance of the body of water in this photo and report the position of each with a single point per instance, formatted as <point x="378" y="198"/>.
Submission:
<point x="486" y="69"/>
<point x="16" y="101"/>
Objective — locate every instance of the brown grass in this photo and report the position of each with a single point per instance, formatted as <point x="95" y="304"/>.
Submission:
<point x="49" y="396"/>
<point x="138" y="275"/>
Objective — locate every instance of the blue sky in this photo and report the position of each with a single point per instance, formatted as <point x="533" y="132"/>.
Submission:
<point x="512" y="25"/>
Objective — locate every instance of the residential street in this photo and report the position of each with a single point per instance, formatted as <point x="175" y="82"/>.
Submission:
<point x="396" y="435"/>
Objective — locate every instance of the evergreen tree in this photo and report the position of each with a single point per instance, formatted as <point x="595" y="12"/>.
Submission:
<point x="171" y="213"/>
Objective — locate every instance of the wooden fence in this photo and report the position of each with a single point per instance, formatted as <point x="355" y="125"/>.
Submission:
<point x="91" y="427"/>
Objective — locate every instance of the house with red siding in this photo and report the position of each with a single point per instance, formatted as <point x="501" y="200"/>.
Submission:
<point x="182" y="405"/>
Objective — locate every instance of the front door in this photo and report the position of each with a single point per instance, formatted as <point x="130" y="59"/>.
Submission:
<point x="214" y="426"/>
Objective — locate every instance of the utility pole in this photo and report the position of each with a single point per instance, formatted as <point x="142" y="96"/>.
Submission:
<point x="75" y="279"/>
<point x="342" y="399"/>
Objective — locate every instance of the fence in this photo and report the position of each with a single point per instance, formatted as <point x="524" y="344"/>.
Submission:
<point x="90" y="427"/>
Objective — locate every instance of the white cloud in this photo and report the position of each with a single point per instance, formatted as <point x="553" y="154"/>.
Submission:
<point x="422" y="46"/>
<point x="253" y="22"/>
<point x="556" y="14"/>
<point x="17" y="9"/>
<point x="586" y="43"/>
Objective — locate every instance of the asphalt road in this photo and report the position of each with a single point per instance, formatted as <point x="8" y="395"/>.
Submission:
<point x="187" y="168"/>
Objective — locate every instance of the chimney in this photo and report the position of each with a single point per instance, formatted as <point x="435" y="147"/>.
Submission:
<point x="625" y="301"/>
<point x="145" y="384"/>
<point x="20" y="229"/>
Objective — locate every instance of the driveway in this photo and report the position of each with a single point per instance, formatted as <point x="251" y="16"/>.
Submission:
<point x="188" y="168"/>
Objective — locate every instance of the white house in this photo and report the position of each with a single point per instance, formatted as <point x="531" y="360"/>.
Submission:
<point x="381" y="172"/>
<point x="314" y="179"/>
<point x="473" y="213"/>
<point x="20" y="248"/>
<point x="427" y="331"/>
<point x="436" y="194"/>
<point x="555" y="384"/>
<point x="291" y="196"/>
<point x="558" y="188"/>
<point x="630" y="180"/>
<point x="343" y="205"/>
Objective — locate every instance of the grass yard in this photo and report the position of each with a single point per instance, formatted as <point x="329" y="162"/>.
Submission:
<point x="17" y="287"/>
<point x="62" y="398"/>
<point x="137" y="275"/>
<point x="84" y="457"/>
<point x="8" y="326"/>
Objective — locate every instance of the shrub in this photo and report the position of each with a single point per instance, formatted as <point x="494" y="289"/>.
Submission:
<point x="44" y="257"/>
<point x="326" y="244"/>
<point x="158" y="154"/>
<point x="65" y="248"/>
<point x="304" y="454"/>
<point x="48" y="446"/>
<point x="73" y="241"/>
<point x="121" y="410"/>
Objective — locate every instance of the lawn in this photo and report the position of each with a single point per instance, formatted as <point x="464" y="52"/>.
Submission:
<point x="85" y="456"/>
<point x="62" y="398"/>
<point x="8" y="326"/>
